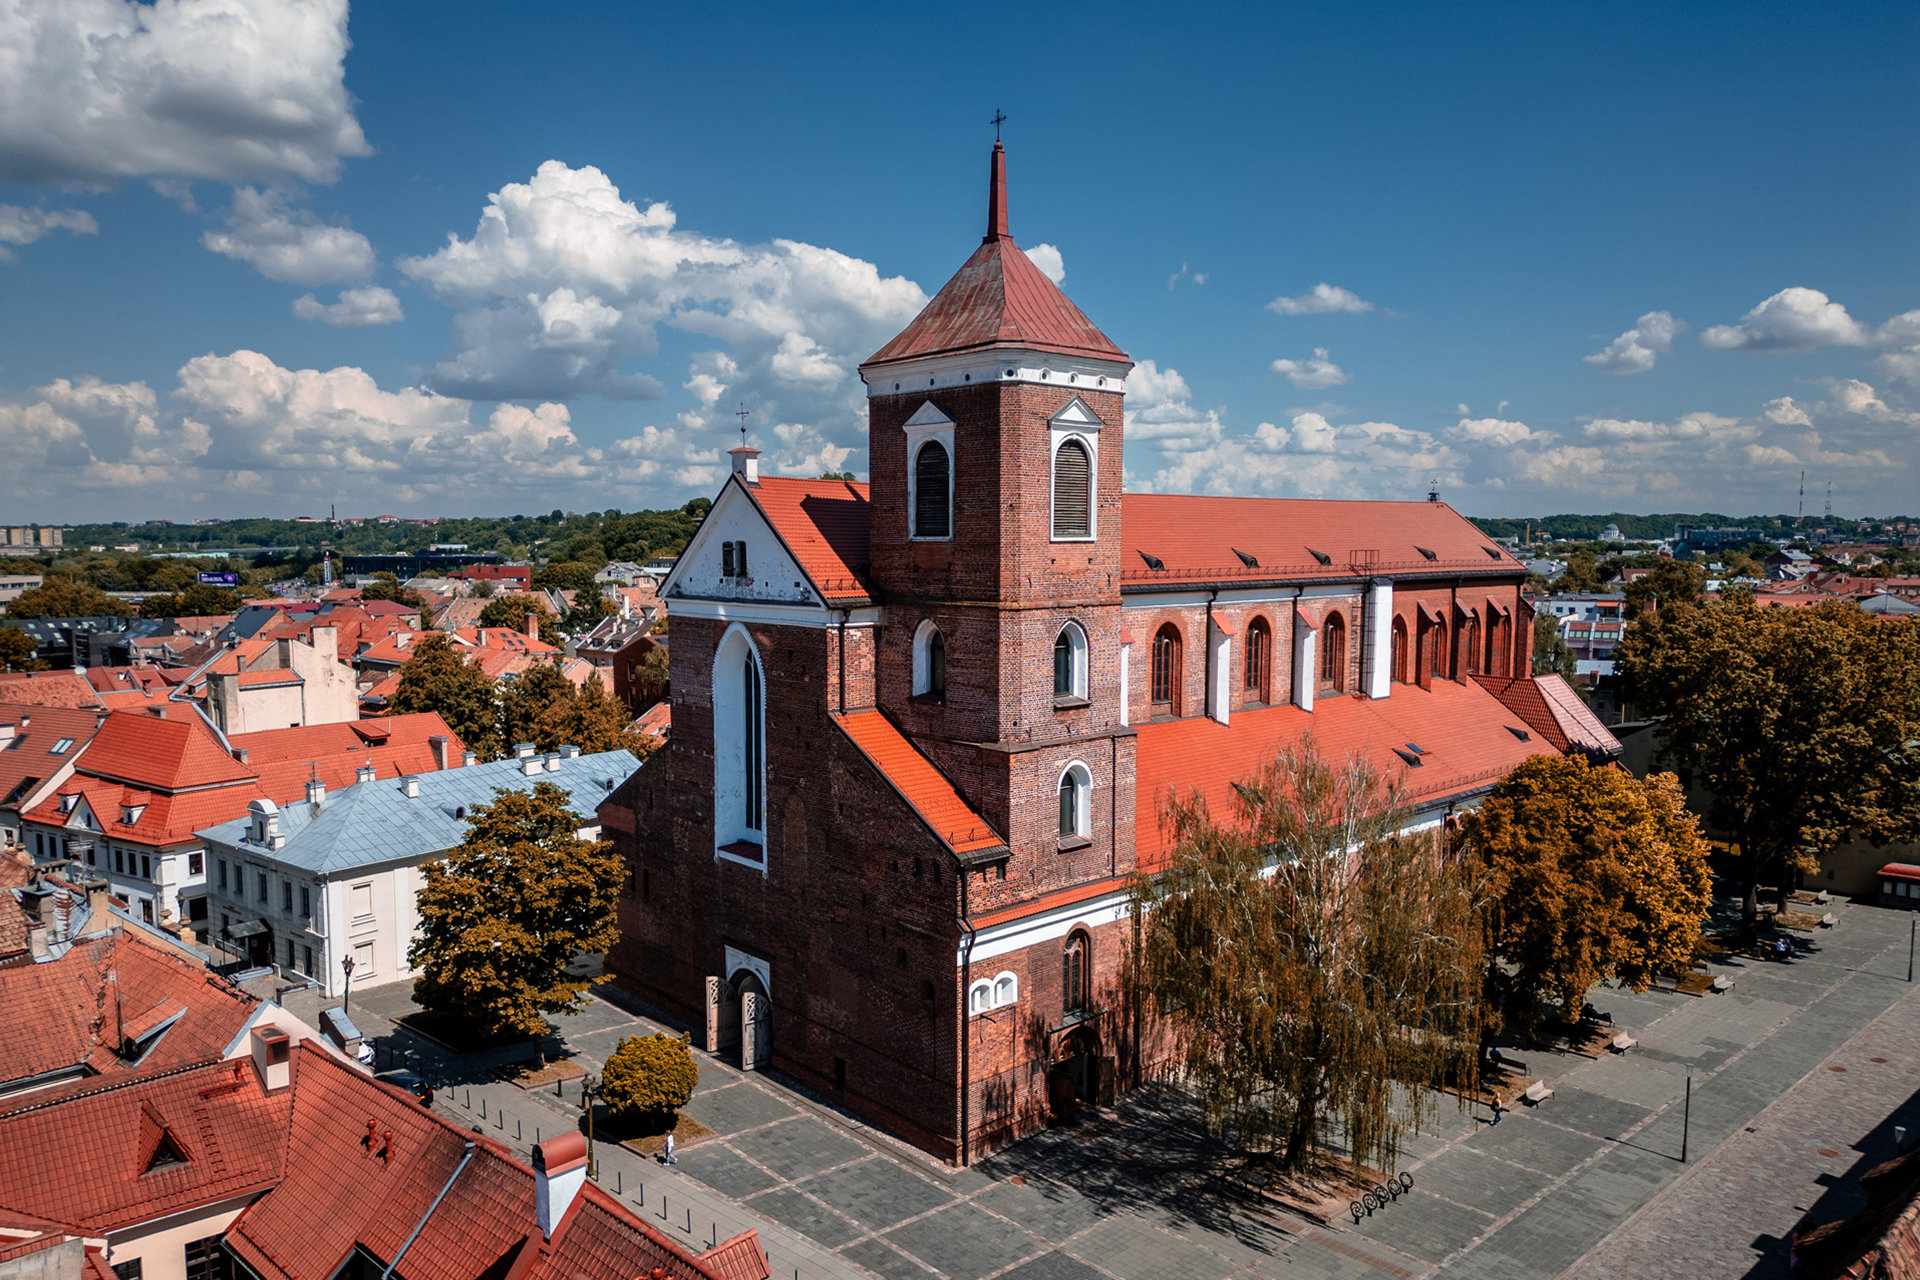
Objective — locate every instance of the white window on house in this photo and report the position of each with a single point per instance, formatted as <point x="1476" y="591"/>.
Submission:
<point x="1006" y="990"/>
<point x="929" y="661"/>
<point x="980" y="997"/>
<point x="1076" y="793"/>
<point x="1070" y="663"/>
<point x="993" y="993"/>
<point x="359" y="901"/>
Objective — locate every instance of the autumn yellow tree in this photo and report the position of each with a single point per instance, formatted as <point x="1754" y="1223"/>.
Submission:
<point x="1594" y="874"/>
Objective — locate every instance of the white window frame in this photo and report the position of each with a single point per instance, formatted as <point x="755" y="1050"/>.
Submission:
<point x="928" y="423"/>
<point x="1082" y="800"/>
<point x="729" y="748"/>
<point x="1075" y="422"/>
<point x="923" y="656"/>
<point x="1077" y="646"/>
<point x="987" y="994"/>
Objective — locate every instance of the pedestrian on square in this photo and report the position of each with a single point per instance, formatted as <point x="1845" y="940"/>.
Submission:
<point x="1496" y="1108"/>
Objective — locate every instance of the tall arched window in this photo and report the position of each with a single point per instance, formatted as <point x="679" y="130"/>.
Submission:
<point x="1070" y="662"/>
<point x="1259" y="659"/>
<point x="1074" y="976"/>
<point x="1498" y="645"/>
<point x="1072" y="491"/>
<point x="739" y="749"/>
<point x="1076" y="790"/>
<point x="1333" y="651"/>
<point x="929" y="661"/>
<point x="1401" y="672"/>
<point x="751" y="779"/>
<point x="931" y="492"/>
<point x="1167" y="674"/>
<point x="1470" y="644"/>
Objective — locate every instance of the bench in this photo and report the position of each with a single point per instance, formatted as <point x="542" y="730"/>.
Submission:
<point x="1623" y="1042"/>
<point x="1538" y="1092"/>
<point x="1822" y="897"/>
<point x="1827" y="921"/>
<point x="1723" y="983"/>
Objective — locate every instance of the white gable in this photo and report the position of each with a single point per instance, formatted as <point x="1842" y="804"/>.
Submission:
<point x="773" y="576"/>
<point x="1075" y="417"/>
<point x="929" y="415"/>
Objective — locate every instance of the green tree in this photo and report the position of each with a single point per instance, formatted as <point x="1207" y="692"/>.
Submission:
<point x="568" y="575"/>
<point x="386" y="586"/>
<point x="1594" y="874"/>
<point x="652" y="682"/>
<point x="1551" y="654"/>
<point x="592" y="720"/>
<point x="511" y="611"/>
<point x="17" y="651"/>
<point x="1582" y="575"/>
<point x="1803" y="724"/>
<point x="64" y="598"/>
<point x="588" y="610"/>
<point x="529" y="703"/>
<point x="198" y="601"/>
<point x="438" y="677"/>
<point x="1313" y="959"/>
<point x="1670" y="584"/>
<point x="505" y="913"/>
<point x="650" y="1075"/>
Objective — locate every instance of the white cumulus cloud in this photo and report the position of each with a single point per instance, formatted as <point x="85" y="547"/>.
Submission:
<point x="1313" y="373"/>
<point x="1048" y="259"/>
<point x="1635" y="350"/>
<point x="287" y="244"/>
<point x="1322" y="299"/>
<point x="1794" y="319"/>
<point x="357" y="308"/>
<point x="1494" y="431"/>
<point x="21" y="225"/>
<point x="92" y="91"/>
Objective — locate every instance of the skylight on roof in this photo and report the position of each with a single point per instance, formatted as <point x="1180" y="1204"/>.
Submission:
<point x="1416" y="748"/>
<point x="1321" y="556"/>
<point x="1153" y="562"/>
<point x="61" y="747"/>
<point x="1428" y="554"/>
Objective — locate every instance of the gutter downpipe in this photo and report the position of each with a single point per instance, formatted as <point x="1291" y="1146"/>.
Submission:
<point x="844" y="615"/>
<point x="431" y="1209"/>
<point x="966" y="1022"/>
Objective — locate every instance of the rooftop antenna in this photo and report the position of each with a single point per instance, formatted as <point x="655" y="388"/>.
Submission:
<point x="742" y="415"/>
<point x="1433" y="490"/>
<point x="999" y="118"/>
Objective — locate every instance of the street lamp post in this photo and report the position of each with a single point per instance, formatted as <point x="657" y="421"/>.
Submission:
<point x="346" y="1000"/>
<point x="588" y="1088"/>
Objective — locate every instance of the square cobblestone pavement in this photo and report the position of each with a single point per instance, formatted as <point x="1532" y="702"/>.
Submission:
<point x="1424" y="1226"/>
<point x="966" y="1242"/>
<point x="731" y="1108"/>
<point x="1052" y="1266"/>
<point x="797" y="1148"/>
<point x="1543" y="1147"/>
<point x="810" y="1218"/>
<point x="1047" y="1209"/>
<point x="1133" y="1250"/>
<point x="1480" y="1181"/>
<point x="877" y="1193"/>
<point x="723" y="1170"/>
<point x="882" y="1259"/>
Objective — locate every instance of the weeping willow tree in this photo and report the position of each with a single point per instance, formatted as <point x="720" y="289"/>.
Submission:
<point x="1320" y="967"/>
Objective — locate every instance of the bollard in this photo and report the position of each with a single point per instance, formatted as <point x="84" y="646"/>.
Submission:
<point x="483" y="1106"/>
<point x="500" y="1119"/>
<point x="616" y="1182"/>
<point x="516" y="1130"/>
<point x="469" y="1099"/>
<point x="558" y="1092"/>
<point x="536" y="1135"/>
<point x="689" y="1222"/>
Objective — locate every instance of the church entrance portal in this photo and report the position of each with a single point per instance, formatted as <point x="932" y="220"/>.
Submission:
<point x="740" y="1017"/>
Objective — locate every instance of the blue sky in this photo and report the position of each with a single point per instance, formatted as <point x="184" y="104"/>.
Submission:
<point x="263" y="255"/>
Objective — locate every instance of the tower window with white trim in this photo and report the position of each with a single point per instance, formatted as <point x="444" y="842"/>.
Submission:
<point x="932" y="493"/>
<point x="753" y="815"/>
<point x="739" y="749"/>
<point x="1072" y="490"/>
<point x="1070" y="664"/>
<point x="1076" y="793"/>
<point x="929" y="662"/>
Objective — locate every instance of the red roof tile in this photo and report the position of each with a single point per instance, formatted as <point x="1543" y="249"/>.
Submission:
<point x="1197" y="537"/>
<point x="740" y="1258"/>
<point x="998" y="298"/>
<point x="1465" y="732"/>
<point x="48" y="689"/>
<point x="175" y="752"/>
<point x="1577" y="722"/>
<point x="37" y="730"/>
<point x="918" y="782"/>
<point x="824" y="525"/>
<point x="266" y="679"/>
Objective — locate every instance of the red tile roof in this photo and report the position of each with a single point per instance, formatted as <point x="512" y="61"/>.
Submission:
<point x="1197" y="537"/>
<point x="170" y="753"/>
<point x="48" y="689"/>
<point x="37" y="730"/>
<point x="1465" y="732"/>
<point x="740" y="1258"/>
<point x="998" y="298"/>
<point x="79" y="1007"/>
<point x="918" y="782"/>
<point x="824" y="525"/>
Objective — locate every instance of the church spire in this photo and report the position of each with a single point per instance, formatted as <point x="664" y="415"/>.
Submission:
<point x="997" y="196"/>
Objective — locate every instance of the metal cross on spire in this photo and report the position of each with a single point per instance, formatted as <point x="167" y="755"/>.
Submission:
<point x="999" y="118"/>
<point x="742" y="415"/>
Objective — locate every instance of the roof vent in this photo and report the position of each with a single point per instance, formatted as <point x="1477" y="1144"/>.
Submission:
<point x="410" y="787"/>
<point x="529" y="765"/>
<point x="522" y="750"/>
<point x="1246" y="559"/>
<point x="1493" y="552"/>
<point x="1413" y="761"/>
<point x="1153" y="562"/>
<point x="1428" y="554"/>
<point x="569" y="752"/>
<point x="1521" y="734"/>
<point x="552" y="761"/>
<point x="1321" y="556"/>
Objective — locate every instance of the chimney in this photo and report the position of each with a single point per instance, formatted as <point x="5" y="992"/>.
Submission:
<point x="438" y="743"/>
<point x="158" y="712"/>
<point x="6" y="735"/>
<point x="240" y="754"/>
<point x="529" y="764"/>
<point x="37" y="939"/>
<point x="533" y="624"/>
<point x="521" y="750"/>
<point x="552" y="761"/>
<point x="746" y="462"/>
<point x="467" y="759"/>
<point x="569" y="752"/>
<point x="559" y="1171"/>
<point x="316" y="791"/>
<point x="272" y="1058"/>
<point x="410" y="787"/>
<point x="365" y="773"/>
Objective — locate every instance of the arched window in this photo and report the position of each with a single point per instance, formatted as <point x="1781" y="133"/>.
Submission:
<point x="1006" y="989"/>
<point x="1470" y="644"/>
<point x="752" y="783"/>
<point x="1498" y="645"/>
<point x="1433" y="653"/>
<point x="1072" y="491"/>
<point x="1401" y="672"/>
<point x="1333" y="652"/>
<point x="1070" y="662"/>
<point x="1259" y="659"/>
<point x="929" y="662"/>
<point x="1074" y="977"/>
<point x="931" y="493"/>
<point x="739" y="748"/>
<point x="1076" y="791"/>
<point x="1167" y="675"/>
<point x="980" y="997"/>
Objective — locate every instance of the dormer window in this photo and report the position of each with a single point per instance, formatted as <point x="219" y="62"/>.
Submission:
<point x="130" y="814"/>
<point x="67" y="803"/>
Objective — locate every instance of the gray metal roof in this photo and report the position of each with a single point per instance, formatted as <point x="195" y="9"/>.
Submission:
<point x="371" y="823"/>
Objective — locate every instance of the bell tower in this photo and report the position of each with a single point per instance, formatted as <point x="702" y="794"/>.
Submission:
<point x="995" y="427"/>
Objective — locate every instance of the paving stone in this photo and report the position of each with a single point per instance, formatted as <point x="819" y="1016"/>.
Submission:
<point x="738" y="1106"/>
<point x="810" y="1218"/>
<point x="1593" y="1113"/>
<point x="1552" y="1151"/>
<point x="881" y="1259"/>
<point x="723" y="1170"/>
<point x="1424" y="1226"/>
<point x="797" y="1148"/>
<point x="1052" y="1266"/>
<point x="1481" y="1181"/>
<point x="1050" y="1211"/>
<point x="966" y="1242"/>
<point x="877" y="1193"/>
<point x="1133" y="1250"/>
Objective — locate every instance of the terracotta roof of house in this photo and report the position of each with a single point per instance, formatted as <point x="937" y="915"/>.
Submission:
<point x="998" y="298"/>
<point x="173" y="752"/>
<point x="824" y="524"/>
<point x="95" y="1160"/>
<point x="37" y="731"/>
<point x="1468" y="738"/>
<point x="117" y="679"/>
<point x="268" y="678"/>
<point x="16" y="871"/>
<point x="918" y="782"/>
<point x="48" y="689"/>
<point x="79" y="1008"/>
<point x="1199" y="538"/>
<point x="656" y="721"/>
<point x="455" y="614"/>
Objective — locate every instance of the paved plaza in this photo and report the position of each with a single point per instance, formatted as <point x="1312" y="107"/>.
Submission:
<point x="1589" y="1184"/>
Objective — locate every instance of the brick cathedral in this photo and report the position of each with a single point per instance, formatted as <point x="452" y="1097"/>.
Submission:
<point x="924" y="727"/>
